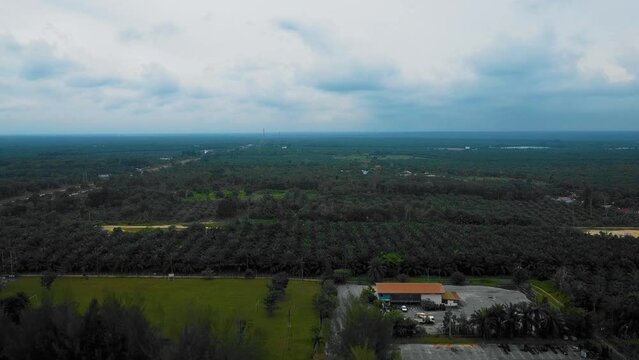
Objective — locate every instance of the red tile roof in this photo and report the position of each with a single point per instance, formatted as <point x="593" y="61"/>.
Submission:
<point x="409" y="288"/>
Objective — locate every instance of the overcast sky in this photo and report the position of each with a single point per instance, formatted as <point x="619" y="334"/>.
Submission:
<point x="76" y="66"/>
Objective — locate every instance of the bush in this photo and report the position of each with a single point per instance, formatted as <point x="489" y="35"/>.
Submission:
<point x="520" y="275"/>
<point x="402" y="278"/>
<point x="367" y="296"/>
<point x="430" y="305"/>
<point x="341" y="275"/>
<point x="325" y="301"/>
<point x="208" y="274"/>
<point x="279" y="281"/>
<point x="249" y="274"/>
<point x="47" y="279"/>
<point x="226" y="208"/>
<point x="458" y="278"/>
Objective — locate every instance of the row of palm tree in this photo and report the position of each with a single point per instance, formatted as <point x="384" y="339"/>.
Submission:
<point x="517" y="320"/>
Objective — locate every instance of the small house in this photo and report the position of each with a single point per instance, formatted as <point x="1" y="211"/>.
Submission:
<point x="450" y="298"/>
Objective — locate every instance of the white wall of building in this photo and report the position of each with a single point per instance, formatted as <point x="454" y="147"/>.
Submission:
<point x="436" y="298"/>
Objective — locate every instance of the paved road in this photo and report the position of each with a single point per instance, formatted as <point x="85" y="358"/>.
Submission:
<point x="478" y="352"/>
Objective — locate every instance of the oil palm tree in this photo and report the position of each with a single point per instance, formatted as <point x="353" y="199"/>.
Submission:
<point x="481" y="320"/>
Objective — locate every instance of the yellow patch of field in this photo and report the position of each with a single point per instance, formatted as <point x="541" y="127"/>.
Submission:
<point x="617" y="231"/>
<point x="213" y="224"/>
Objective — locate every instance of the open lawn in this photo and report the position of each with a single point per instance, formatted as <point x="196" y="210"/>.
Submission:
<point x="168" y="304"/>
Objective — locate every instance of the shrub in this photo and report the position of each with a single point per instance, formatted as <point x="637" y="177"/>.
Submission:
<point x="47" y="279"/>
<point x="520" y="275"/>
<point x="367" y="296"/>
<point x="249" y="274"/>
<point x="430" y="305"/>
<point x="402" y="278"/>
<point x="458" y="278"/>
<point x="341" y="275"/>
<point x="208" y="274"/>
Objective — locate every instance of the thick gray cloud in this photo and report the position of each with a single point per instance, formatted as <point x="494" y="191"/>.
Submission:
<point x="120" y="66"/>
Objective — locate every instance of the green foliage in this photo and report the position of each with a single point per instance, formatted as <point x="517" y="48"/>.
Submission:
<point x="392" y="259"/>
<point x="367" y="296"/>
<point x="376" y="269"/>
<point x="341" y="275"/>
<point x="405" y="327"/>
<point x="170" y="305"/>
<point x="276" y="292"/>
<point x="270" y="301"/>
<point x="458" y="278"/>
<point x="47" y="279"/>
<point x="249" y="274"/>
<point x="363" y="325"/>
<point x="520" y="275"/>
<point x="325" y="301"/>
<point x="362" y="352"/>
<point x="208" y="273"/>
<point x="113" y="330"/>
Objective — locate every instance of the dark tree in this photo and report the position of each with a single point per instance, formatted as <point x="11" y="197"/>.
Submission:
<point x="47" y="279"/>
<point x="458" y="278"/>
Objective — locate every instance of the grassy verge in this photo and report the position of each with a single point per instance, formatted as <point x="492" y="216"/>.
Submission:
<point x="168" y="304"/>
<point x="546" y="289"/>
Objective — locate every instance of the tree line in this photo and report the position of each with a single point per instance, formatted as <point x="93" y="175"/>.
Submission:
<point x="111" y="330"/>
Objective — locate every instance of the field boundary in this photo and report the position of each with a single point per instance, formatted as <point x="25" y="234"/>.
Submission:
<point x="143" y="276"/>
<point x="549" y="296"/>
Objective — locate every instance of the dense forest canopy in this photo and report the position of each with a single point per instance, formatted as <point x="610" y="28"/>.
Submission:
<point x="481" y="204"/>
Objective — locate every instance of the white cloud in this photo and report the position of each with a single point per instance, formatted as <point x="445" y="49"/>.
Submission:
<point x="121" y="65"/>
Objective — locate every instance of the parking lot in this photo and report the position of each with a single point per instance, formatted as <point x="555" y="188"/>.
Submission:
<point x="472" y="297"/>
<point x="480" y="352"/>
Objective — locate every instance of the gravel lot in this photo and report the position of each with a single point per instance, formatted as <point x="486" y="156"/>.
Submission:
<point x="478" y="352"/>
<point x="473" y="298"/>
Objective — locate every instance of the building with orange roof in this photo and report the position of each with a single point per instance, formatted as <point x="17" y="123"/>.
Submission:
<point x="397" y="292"/>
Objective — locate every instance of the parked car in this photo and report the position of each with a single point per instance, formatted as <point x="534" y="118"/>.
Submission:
<point x="404" y="308"/>
<point x="424" y="318"/>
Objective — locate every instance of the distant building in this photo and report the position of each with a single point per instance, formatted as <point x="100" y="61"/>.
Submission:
<point x="450" y="298"/>
<point x="409" y="292"/>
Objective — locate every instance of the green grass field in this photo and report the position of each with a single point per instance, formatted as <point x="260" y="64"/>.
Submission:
<point x="168" y="304"/>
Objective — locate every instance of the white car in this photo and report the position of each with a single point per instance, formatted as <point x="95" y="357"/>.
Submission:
<point x="404" y="308"/>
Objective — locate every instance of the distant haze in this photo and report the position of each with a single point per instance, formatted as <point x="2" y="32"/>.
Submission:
<point x="73" y="66"/>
